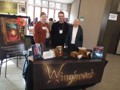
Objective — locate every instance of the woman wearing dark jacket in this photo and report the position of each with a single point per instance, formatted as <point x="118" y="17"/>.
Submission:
<point x="74" y="38"/>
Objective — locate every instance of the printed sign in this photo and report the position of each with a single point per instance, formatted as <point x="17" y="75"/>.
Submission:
<point x="12" y="36"/>
<point x="113" y="17"/>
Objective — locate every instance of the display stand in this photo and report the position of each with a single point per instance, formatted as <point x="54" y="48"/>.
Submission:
<point x="6" y="68"/>
<point x="17" y="60"/>
<point x="7" y="64"/>
<point x="48" y="74"/>
<point x="1" y="66"/>
<point x="12" y="45"/>
<point x="6" y="60"/>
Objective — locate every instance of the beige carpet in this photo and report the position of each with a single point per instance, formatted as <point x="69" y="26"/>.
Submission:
<point x="111" y="75"/>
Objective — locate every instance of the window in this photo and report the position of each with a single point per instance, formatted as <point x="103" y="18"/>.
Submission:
<point x="37" y="2"/>
<point x="45" y="10"/>
<point x="58" y="5"/>
<point x="51" y="13"/>
<point x="31" y="1"/>
<point x="51" y="5"/>
<point x="44" y="3"/>
<point x="66" y="14"/>
<point x="56" y="14"/>
<point x="64" y="7"/>
<point x="51" y="8"/>
<point x="37" y="12"/>
<point x="30" y="12"/>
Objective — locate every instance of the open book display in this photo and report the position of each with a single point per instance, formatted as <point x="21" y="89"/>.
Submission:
<point x="97" y="52"/>
<point x="37" y="51"/>
<point x="83" y="53"/>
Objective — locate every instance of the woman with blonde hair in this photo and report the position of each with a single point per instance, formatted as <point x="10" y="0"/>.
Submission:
<point x="42" y="31"/>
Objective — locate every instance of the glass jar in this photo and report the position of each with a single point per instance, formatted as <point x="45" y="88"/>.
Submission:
<point x="60" y="49"/>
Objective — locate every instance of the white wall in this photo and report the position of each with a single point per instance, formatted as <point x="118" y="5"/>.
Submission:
<point x="119" y="8"/>
<point x="74" y="10"/>
<point x="118" y="48"/>
<point x="21" y="2"/>
<point x="92" y="11"/>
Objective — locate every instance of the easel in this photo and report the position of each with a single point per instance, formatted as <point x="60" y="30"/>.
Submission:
<point x="6" y="67"/>
<point x="3" y="44"/>
<point x="7" y="56"/>
<point x="16" y="63"/>
<point x="6" y="63"/>
<point x="1" y="66"/>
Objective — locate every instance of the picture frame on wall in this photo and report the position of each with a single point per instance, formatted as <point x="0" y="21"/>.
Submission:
<point x="10" y="31"/>
<point x="8" y="7"/>
<point x="22" y="9"/>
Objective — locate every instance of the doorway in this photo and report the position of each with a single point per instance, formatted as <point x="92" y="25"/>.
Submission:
<point x="115" y="39"/>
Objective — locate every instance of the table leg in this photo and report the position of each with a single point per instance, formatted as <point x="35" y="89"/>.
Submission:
<point x="17" y="60"/>
<point x="6" y="68"/>
<point x="0" y="68"/>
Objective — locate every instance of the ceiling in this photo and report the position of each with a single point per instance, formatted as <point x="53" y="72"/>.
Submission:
<point x="62" y="1"/>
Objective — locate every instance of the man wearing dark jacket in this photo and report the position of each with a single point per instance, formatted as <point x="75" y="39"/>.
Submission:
<point x="59" y="31"/>
<point x="74" y="38"/>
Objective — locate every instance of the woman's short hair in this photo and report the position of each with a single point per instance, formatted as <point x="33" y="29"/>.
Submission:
<point x="42" y="13"/>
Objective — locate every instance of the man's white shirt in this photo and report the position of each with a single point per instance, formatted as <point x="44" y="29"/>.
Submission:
<point x="74" y="33"/>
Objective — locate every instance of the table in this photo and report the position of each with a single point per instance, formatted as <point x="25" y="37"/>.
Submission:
<point x="63" y="74"/>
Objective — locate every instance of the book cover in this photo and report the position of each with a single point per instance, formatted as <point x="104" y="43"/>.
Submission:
<point x="97" y="52"/>
<point x="37" y="51"/>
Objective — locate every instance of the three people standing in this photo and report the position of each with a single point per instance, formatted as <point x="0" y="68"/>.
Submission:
<point x="61" y="33"/>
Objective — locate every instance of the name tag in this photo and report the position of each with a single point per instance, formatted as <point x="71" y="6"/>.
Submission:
<point x="60" y="31"/>
<point x="48" y="54"/>
<point x="43" y="27"/>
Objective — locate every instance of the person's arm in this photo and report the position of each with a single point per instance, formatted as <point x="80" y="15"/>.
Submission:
<point x="66" y="41"/>
<point x="81" y="37"/>
<point x="36" y="33"/>
<point x="52" y="33"/>
<point x="48" y="26"/>
<point x="68" y="36"/>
